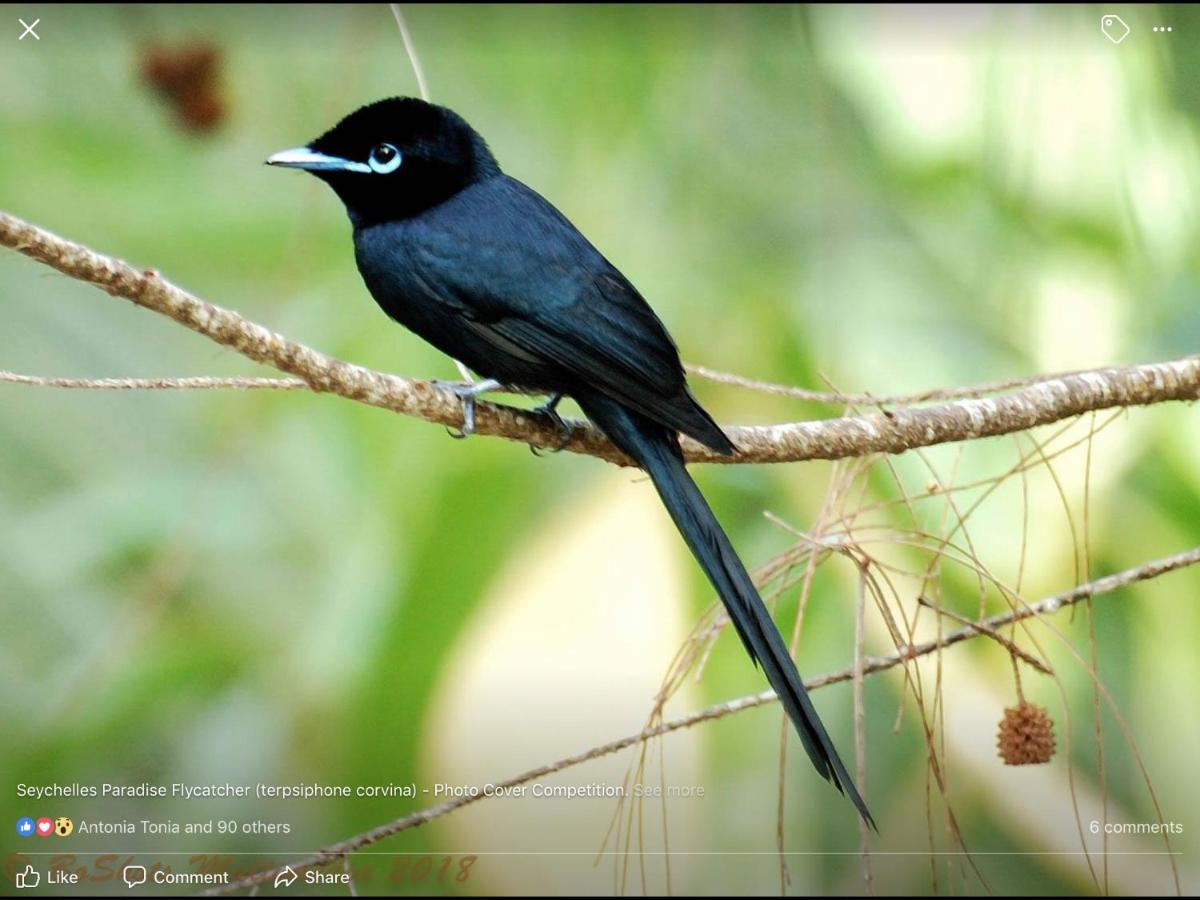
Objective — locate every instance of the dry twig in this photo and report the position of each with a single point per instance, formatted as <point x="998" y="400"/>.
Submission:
<point x="868" y="666"/>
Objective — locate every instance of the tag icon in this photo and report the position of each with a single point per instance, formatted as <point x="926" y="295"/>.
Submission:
<point x="1114" y="28"/>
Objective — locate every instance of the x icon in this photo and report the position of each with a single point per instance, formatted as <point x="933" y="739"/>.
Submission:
<point x="29" y="29"/>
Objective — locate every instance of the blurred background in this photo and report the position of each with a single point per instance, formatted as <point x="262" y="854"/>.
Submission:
<point x="286" y="588"/>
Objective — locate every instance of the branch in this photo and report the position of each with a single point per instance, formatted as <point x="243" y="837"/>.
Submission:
<point x="411" y="50"/>
<point x="870" y="666"/>
<point x="841" y="398"/>
<point x="1047" y="401"/>
<point x="197" y="383"/>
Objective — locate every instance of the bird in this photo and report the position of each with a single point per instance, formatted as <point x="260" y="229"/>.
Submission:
<point x="491" y="273"/>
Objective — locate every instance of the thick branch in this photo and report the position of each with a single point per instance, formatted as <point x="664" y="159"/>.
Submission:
<point x="871" y="665"/>
<point x="1047" y="401"/>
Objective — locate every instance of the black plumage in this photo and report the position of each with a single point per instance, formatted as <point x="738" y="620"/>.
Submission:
<point x="488" y="271"/>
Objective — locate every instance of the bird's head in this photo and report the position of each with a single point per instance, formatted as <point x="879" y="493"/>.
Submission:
<point x="394" y="159"/>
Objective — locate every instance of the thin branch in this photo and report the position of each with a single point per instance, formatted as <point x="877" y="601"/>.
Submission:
<point x="887" y="432"/>
<point x="241" y="383"/>
<point x="411" y="49"/>
<point x="867" y="666"/>
<point x="1024" y="656"/>
<point x="865" y="398"/>
<point x="196" y="383"/>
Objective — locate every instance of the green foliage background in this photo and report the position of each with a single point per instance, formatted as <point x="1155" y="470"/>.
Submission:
<point x="268" y="586"/>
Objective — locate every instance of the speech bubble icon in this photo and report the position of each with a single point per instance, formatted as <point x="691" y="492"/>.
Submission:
<point x="134" y="875"/>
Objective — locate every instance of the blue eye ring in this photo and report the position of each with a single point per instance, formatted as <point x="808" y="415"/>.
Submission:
<point x="384" y="159"/>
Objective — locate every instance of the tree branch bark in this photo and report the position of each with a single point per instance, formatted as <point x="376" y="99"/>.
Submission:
<point x="1042" y="403"/>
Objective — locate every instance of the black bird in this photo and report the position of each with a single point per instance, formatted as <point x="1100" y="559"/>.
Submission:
<point x="489" y="272"/>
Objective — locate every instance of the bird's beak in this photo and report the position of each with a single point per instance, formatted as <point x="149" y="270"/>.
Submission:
<point x="310" y="160"/>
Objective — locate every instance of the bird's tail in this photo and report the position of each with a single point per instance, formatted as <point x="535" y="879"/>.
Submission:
<point x="656" y="449"/>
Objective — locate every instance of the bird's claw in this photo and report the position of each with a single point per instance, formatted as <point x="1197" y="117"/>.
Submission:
<point x="549" y="410"/>
<point x="468" y="393"/>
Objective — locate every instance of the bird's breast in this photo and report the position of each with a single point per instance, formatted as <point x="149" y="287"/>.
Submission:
<point x="409" y="286"/>
<point x="387" y="268"/>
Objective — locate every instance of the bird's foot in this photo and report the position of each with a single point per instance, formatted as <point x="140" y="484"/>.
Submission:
<point x="550" y="411"/>
<point x="468" y="393"/>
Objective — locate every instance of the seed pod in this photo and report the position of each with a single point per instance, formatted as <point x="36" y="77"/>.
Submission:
<point x="187" y="76"/>
<point x="1026" y="735"/>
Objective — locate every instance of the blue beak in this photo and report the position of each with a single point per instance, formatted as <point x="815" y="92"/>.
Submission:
<point x="311" y="161"/>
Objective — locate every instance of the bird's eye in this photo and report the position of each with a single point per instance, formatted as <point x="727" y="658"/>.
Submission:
<point x="384" y="159"/>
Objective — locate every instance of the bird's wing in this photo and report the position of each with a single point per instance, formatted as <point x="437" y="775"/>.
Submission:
<point x="524" y="279"/>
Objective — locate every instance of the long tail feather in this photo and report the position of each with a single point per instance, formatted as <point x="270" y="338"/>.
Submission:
<point x="657" y="451"/>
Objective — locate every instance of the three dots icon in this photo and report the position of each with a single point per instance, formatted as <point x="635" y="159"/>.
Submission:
<point x="1116" y="30"/>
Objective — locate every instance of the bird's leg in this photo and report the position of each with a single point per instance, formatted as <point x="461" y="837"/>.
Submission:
<point x="468" y="393"/>
<point x="550" y="410"/>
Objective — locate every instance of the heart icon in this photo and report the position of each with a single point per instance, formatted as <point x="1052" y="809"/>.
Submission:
<point x="44" y="827"/>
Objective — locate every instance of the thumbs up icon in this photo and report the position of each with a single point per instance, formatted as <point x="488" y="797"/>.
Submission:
<point x="29" y="878"/>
